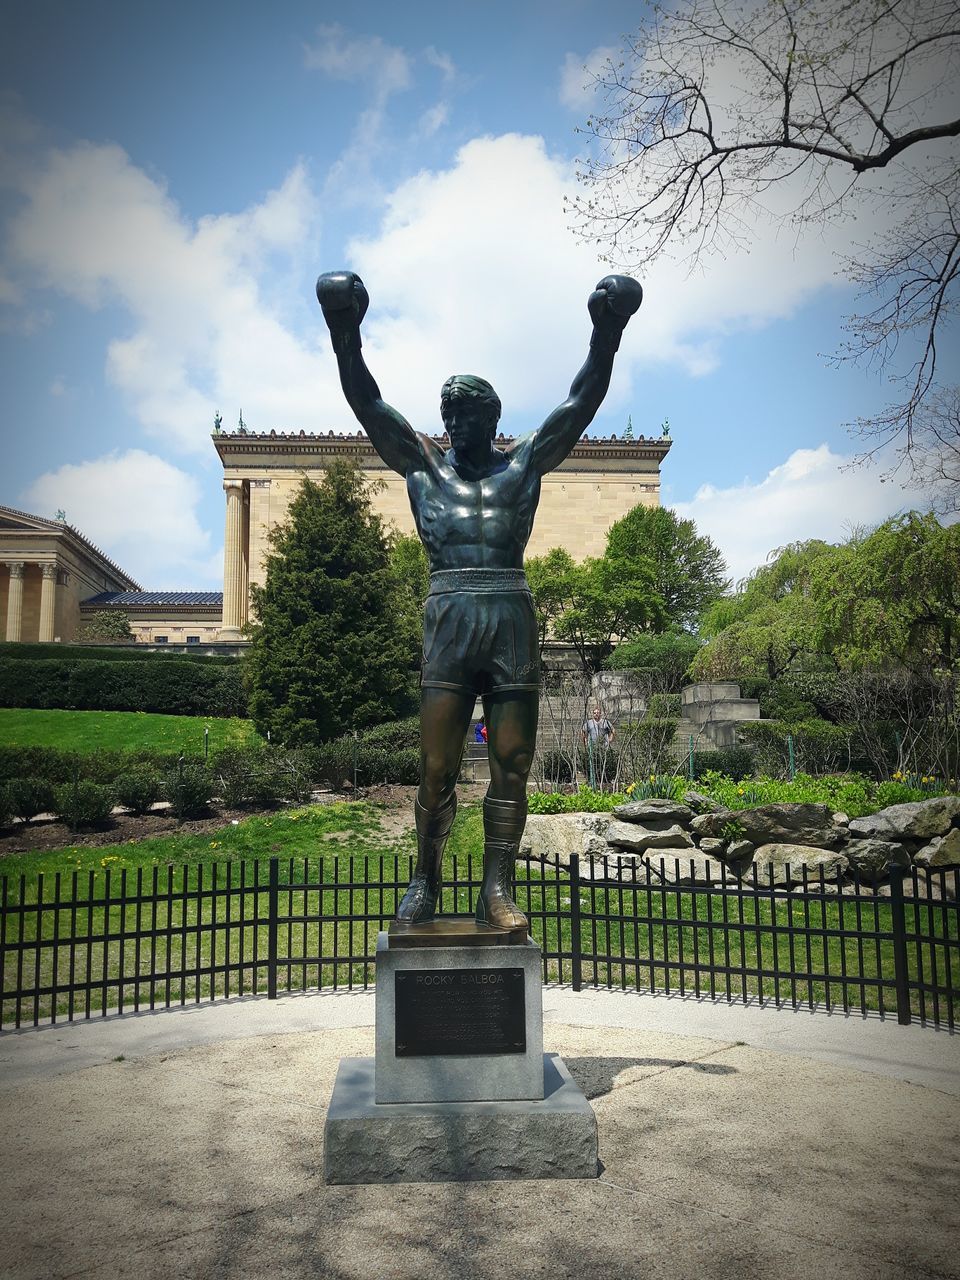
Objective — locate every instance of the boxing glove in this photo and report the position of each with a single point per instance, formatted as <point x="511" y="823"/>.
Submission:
<point x="343" y="297"/>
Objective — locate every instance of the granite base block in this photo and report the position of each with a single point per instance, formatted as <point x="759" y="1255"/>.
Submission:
<point x="473" y="1076"/>
<point x="370" y="1142"/>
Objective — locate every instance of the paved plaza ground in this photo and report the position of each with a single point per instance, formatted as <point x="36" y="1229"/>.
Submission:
<point x="735" y="1142"/>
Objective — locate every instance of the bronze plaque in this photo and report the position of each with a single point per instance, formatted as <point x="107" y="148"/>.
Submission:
<point x="459" y="1011"/>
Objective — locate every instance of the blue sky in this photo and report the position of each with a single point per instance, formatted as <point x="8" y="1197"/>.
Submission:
<point x="176" y="176"/>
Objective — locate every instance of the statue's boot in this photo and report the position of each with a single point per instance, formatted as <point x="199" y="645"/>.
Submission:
<point x="503" y="823"/>
<point x="420" y="900"/>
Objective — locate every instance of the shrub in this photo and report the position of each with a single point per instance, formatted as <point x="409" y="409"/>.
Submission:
<point x="6" y="812"/>
<point x="396" y="735"/>
<point x="188" y="789"/>
<point x="665" y="705"/>
<point x="173" y="687"/>
<point x="138" y="790"/>
<point x="295" y="774"/>
<point x="30" y="796"/>
<point x="261" y="775"/>
<point x="547" y="802"/>
<point x="818" y="745"/>
<point x="81" y="803"/>
<point x="52" y="765"/>
<point x="736" y="762"/>
<point x="664" y="787"/>
<point x="558" y="770"/>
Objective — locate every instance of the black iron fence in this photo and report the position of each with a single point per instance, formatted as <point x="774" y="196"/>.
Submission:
<point x="75" y="945"/>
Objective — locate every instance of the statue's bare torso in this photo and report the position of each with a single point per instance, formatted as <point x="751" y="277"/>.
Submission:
<point x="467" y="521"/>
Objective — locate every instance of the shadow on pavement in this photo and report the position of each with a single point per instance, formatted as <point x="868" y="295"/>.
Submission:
<point x="597" y="1076"/>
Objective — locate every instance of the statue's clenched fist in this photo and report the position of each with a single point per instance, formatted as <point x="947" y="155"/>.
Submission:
<point x="344" y="299"/>
<point x="614" y="301"/>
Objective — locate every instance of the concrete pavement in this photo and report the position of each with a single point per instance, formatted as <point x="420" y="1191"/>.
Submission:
<point x="735" y="1142"/>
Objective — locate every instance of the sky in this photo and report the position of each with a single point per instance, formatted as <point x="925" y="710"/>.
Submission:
<point x="174" y="177"/>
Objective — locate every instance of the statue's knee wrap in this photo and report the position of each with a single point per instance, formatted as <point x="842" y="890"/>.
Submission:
<point x="504" y="820"/>
<point x="435" y="824"/>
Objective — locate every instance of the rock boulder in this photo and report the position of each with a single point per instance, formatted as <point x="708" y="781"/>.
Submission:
<point x="788" y="861"/>
<point x="635" y="838"/>
<point x="654" y="810"/>
<point x="918" y="820"/>
<point x="555" y="836"/>
<point x="810" y="824"/>
<point x="942" y="851"/>
<point x="870" y="857"/>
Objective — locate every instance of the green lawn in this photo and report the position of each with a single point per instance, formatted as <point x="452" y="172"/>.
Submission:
<point x="199" y="905"/>
<point x="86" y="731"/>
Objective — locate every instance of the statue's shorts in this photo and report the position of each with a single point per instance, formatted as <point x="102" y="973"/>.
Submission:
<point x="480" y="632"/>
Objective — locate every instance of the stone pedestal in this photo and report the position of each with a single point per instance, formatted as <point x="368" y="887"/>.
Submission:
<point x="366" y="1141"/>
<point x="460" y="1088"/>
<point x="459" y="1023"/>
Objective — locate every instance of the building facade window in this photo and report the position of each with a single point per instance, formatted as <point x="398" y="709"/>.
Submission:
<point x="160" y="639"/>
<point x="193" y="639"/>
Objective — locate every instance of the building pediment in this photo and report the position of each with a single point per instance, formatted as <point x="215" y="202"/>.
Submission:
<point x="21" y="521"/>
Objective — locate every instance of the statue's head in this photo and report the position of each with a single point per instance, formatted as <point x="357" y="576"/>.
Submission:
<point x="470" y="409"/>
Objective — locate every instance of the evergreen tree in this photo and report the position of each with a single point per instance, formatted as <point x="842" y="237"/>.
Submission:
<point x="329" y="651"/>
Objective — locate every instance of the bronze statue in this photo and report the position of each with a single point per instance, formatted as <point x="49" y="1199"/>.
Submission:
<point x="474" y="506"/>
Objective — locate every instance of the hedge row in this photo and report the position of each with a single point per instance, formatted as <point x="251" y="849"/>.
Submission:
<point x="107" y="653"/>
<point x="330" y="765"/>
<point x="172" y="687"/>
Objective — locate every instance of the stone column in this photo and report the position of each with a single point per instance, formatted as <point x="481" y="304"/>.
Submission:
<point x="245" y="556"/>
<point x="233" y="562"/>
<point x="15" y="601"/>
<point x="48" y="602"/>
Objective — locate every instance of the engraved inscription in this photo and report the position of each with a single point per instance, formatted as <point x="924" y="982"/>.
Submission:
<point x="459" y="1011"/>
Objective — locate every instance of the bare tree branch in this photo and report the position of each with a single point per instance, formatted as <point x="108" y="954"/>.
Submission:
<point x="712" y="106"/>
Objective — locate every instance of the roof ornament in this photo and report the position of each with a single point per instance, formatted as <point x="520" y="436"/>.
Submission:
<point x="217" y="423"/>
<point x="665" y="428"/>
<point x="241" y="425"/>
<point x="628" y="434"/>
<point x="61" y="515"/>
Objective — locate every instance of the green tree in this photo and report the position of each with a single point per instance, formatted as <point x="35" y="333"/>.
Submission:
<point x="665" y="655"/>
<point x="882" y="601"/>
<point x="327" y="652"/>
<point x="551" y="585"/>
<point x="689" y="571"/>
<point x="606" y="600"/>
<point x="105" y="624"/>
<point x="408" y="562"/>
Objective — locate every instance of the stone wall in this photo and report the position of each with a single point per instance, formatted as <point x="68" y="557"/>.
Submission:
<point x="695" y="841"/>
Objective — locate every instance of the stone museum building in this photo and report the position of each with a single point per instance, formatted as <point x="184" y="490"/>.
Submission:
<point x="600" y="481"/>
<point x="51" y="576"/>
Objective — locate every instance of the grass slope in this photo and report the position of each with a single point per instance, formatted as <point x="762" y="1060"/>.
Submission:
<point x="86" y="731"/>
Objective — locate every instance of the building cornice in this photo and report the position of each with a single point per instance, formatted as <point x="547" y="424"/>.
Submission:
<point x="287" y="447"/>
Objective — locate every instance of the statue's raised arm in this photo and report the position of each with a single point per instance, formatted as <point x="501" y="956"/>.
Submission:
<point x="344" y="301"/>
<point x="612" y="303"/>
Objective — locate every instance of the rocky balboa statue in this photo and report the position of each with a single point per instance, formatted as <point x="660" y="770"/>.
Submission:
<point x="474" y="506"/>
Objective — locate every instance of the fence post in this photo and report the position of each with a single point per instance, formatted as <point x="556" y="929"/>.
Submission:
<point x="690" y="758"/>
<point x="273" y="910"/>
<point x="792" y="758"/>
<point x="576" y="973"/>
<point x="899" y="923"/>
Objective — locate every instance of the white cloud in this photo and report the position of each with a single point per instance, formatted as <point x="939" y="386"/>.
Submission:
<point x="432" y="119"/>
<point x="141" y="511"/>
<point x="207" y="330"/>
<point x="807" y="496"/>
<point x="442" y="61"/>
<point x="365" y="58"/>
<point x="474" y="269"/>
<point x="578" y="76"/>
